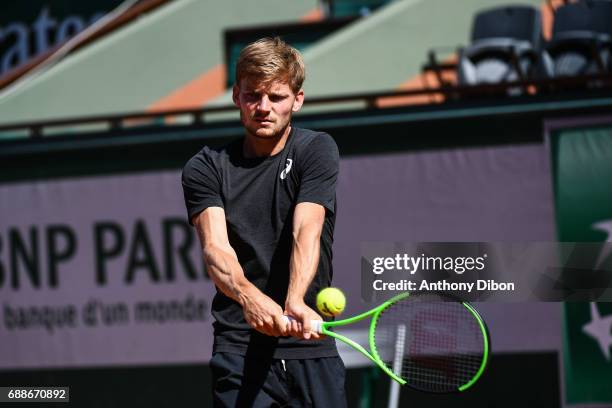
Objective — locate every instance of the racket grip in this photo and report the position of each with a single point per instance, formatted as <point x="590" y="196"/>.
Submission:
<point x="316" y="326"/>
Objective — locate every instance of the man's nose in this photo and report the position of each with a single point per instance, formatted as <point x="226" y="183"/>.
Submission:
<point x="264" y="103"/>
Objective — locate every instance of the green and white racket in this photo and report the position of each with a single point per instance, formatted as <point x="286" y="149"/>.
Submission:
<point x="427" y="341"/>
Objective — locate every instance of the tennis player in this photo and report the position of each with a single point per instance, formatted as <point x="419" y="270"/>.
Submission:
<point x="264" y="207"/>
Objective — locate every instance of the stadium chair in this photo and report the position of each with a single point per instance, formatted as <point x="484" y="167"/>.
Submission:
<point x="580" y="43"/>
<point x="503" y="47"/>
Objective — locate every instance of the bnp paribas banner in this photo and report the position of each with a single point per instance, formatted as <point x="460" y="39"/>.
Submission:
<point x="581" y="152"/>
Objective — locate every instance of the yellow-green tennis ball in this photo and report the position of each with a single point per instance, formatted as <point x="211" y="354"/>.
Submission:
<point x="331" y="301"/>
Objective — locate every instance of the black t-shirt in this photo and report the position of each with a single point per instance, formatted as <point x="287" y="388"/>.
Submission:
<point x="259" y="196"/>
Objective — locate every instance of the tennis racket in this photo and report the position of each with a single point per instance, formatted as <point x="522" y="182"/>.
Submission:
<point x="427" y="341"/>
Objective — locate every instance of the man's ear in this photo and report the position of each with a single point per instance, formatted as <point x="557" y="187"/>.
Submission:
<point x="299" y="101"/>
<point x="235" y="95"/>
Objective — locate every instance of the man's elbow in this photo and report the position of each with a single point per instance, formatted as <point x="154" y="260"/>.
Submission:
<point x="307" y="233"/>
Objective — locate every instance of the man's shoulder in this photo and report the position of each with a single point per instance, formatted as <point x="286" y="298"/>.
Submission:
<point x="210" y="155"/>
<point x="305" y="138"/>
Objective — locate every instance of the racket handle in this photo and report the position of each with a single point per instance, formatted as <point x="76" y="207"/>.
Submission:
<point x="316" y="326"/>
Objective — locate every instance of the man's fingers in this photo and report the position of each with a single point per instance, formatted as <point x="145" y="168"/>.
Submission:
<point x="295" y="328"/>
<point x="281" y="325"/>
<point x="260" y="326"/>
<point x="305" y="327"/>
<point x="301" y="326"/>
<point x="292" y="328"/>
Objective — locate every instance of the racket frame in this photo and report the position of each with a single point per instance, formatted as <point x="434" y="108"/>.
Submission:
<point x="323" y="328"/>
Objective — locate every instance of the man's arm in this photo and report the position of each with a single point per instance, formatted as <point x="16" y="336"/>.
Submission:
<point x="308" y="221"/>
<point x="260" y="311"/>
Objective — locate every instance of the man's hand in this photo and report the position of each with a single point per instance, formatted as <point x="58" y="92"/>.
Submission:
<point x="300" y="327"/>
<point x="263" y="314"/>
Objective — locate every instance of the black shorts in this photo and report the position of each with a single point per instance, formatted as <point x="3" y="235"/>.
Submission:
<point x="240" y="381"/>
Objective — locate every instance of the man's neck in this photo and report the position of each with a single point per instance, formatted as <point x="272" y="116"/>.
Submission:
<point x="254" y="146"/>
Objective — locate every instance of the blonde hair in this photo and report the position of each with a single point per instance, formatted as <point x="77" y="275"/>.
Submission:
<point x="271" y="59"/>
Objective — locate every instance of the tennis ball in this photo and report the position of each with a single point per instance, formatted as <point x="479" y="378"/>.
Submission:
<point x="331" y="301"/>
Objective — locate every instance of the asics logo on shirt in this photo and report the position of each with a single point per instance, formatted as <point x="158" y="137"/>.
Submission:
<point x="287" y="169"/>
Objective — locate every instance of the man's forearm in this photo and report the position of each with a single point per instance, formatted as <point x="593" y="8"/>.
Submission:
<point x="304" y="262"/>
<point x="225" y="270"/>
<point x="260" y="312"/>
<point x="303" y="267"/>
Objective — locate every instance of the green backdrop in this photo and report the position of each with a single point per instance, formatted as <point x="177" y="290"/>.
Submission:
<point x="582" y="168"/>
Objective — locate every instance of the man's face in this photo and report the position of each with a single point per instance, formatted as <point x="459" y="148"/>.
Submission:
<point x="265" y="111"/>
